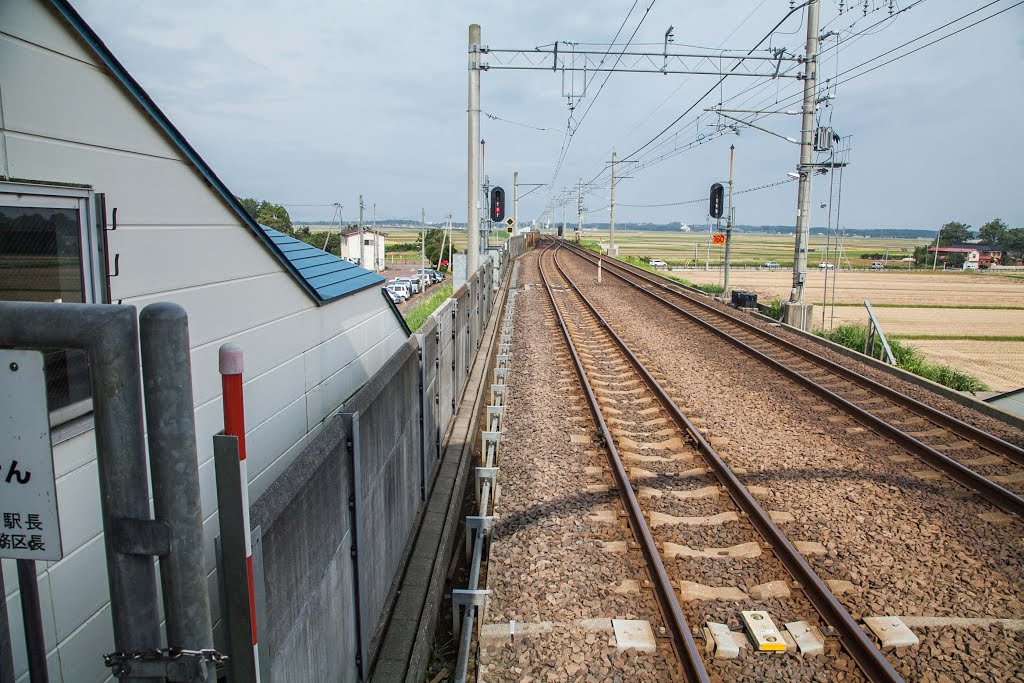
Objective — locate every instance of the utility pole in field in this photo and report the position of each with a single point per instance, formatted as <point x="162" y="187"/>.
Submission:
<point x="473" y="176"/>
<point x="728" y="227"/>
<point x="362" y="207"/>
<point x="797" y="311"/>
<point x="565" y="211"/>
<point x="515" y="203"/>
<point x="423" y="242"/>
<point x="612" y="249"/>
<point x="579" y="208"/>
<point x="362" y="248"/>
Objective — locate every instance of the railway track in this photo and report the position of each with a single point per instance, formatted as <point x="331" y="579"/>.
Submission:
<point x="682" y="523"/>
<point x="982" y="462"/>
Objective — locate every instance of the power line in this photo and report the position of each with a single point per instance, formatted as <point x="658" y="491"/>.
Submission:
<point x="711" y="89"/>
<point x="704" y="199"/>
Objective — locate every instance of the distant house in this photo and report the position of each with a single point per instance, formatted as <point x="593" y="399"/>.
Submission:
<point x="77" y="128"/>
<point x="975" y="255"/>
<point x="371" y="256"/>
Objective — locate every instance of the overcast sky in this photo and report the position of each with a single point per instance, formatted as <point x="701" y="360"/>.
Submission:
<point x="308" y="102"/>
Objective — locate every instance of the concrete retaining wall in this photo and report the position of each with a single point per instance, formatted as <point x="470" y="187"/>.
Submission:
<point x="337" y="525"/>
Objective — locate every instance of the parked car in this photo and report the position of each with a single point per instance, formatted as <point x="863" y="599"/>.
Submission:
<point x="877" y="265"/>
<point x="399" y="289"/>
<point x="429" y="274"/>
<point x="657" y="263"/>
<point x="771" y="265"/>
<point x="413" y="283"/>
<point x="825" y="265"/>
<point x="394" y="295"/>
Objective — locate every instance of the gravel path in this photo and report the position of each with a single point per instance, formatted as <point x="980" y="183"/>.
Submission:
<point x="905" y="543"/>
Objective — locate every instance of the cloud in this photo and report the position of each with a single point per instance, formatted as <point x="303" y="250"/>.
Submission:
<point x="312" y="102"/>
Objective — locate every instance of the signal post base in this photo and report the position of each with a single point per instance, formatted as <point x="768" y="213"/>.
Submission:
<point x="798" y="314"/>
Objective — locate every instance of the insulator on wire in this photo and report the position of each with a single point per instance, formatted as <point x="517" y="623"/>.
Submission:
<point x="840" y="6"/>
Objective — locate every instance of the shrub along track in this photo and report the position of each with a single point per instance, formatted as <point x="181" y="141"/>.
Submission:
<point x="704" y="550"/>
<point x="899" y="539"/>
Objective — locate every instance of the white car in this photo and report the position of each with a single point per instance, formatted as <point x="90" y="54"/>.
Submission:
<point x="825" y="265"/>
<point x="413" y="283"/>
<point x="657" y="263"/>
<point x="771" y="265"/>
<point x="399" y="289"/>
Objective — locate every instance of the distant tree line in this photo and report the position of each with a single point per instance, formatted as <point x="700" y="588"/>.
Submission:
<point x="996" y="233"/>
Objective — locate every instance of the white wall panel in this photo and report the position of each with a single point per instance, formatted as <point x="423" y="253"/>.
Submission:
<point x="17" y="628"/>
<point x="37" y="23"/>
<point x="145" y="189"/>
<point x="74" y="453"/>
<point x="273" y="438"/>
<point x="78" y="502"/>
<point x="224" y="309"/>
<point x="105" y="115"/>
<point x="80" y="654"/>
<point x="264" y="347"/>
<point x="167" y="258"/>
<point x="79" y="586"/>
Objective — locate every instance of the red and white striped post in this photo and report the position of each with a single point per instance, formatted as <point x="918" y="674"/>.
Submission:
<point x="231" y="367"/>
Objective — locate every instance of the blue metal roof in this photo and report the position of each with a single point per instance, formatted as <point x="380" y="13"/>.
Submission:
<point x="326" y="274"/>
<point x="321" y="293"/>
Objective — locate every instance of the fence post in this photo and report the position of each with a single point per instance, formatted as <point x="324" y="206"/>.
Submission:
<point x="110" y="335"/>
<point x="233" y="510"/>
<point x="170" y="422"/>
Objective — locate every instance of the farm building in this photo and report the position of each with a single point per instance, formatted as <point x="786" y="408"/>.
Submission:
<point x="372" y="255"/>
<point x="974" y="255"/>
<point x="103" y="200"/>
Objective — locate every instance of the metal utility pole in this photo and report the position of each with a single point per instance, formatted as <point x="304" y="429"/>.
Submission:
<point x="423" y="242"/>
<point x="515" y="203"/>
<point x="473" y="176"/>
<point x="485" y="200"/>
<point x="565" y="209"/>
<point x="612" y="250"/>
<point x="797" y="311"/>
<point x="935" y="261"/>
<point x="728" y="226"/>
<point x="579" y="208"/>
<point x="361" y="208"/>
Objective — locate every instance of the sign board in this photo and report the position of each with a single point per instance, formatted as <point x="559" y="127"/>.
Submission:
<point x="510" y="222"/>
<point x="718" y="238"/>
<point x="29" y="525"/>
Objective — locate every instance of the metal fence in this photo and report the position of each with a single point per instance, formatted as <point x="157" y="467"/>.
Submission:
<point x="338" y="524"/>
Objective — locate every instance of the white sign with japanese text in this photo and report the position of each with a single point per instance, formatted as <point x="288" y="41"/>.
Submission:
<point x="29" y="525"/>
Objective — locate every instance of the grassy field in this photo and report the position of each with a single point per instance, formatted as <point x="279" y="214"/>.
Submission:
<point x="678" y="248"/>
<point x="971" y="321"/>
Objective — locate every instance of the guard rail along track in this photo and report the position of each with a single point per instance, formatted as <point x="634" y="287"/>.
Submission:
<point x="853" y="639"/>
<point x="922" y="430"/>
<point x="471" y="602"/>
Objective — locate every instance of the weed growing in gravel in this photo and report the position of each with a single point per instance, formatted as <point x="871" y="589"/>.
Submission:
<point x="907" y="358"/>
<point x="419" y="315"/>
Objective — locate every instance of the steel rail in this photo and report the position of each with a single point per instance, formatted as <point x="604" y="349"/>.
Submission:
<point x="986" y="488"/>
<point x="683" y="642"/>
<point x="959" y="427"/>
<point x="856" y="642"/>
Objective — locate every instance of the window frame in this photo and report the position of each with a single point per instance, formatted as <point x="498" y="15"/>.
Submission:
<point x="75" y="418"/>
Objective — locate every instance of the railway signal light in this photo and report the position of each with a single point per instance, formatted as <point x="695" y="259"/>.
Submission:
<point x="497" y="204"/>
<point x="717" y="200"/>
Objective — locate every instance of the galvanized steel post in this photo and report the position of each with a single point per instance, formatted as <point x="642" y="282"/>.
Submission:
<point x="109" y="335"/>
<point x="170" y="423"/>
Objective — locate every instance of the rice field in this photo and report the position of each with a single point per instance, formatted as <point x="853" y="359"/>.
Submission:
<point x="690" y="248"/>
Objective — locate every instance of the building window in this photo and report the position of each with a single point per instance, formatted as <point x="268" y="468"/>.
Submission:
<point x="48" y="254"/>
